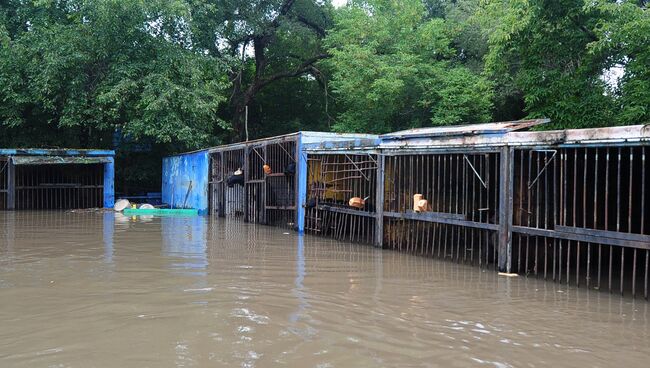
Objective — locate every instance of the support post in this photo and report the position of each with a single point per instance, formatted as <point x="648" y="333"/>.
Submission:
<point x="379" y="205"/>
<point x="301" y="188"/>
<point x="505" y="208"/>
<point x="246" y="185"/>
<point x="109" y="183"/>
<point x="264" y="219"/>
<point x="221" y="187"/>
<point x="11" y="185"/>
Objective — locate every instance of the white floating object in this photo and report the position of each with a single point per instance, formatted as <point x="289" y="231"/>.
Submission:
<point x="121" y="204"/>
<point x="508" y="274"/>
<point x="146" y="206"/>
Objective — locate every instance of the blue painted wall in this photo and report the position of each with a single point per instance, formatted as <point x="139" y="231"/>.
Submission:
<point x="184" y="176"/>
<point x="109" y="183"/>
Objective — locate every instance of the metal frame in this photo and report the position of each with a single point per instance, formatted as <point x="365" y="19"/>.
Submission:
<point x="260" y="195"/>
<point x="56" y="179"/>
<point x="333" y="177"/>
<point x="462" y="219"/>
<point x="586" y="209"/>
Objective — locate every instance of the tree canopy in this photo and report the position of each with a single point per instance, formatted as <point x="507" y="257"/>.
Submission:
<point x="394" y="66"/>
<point x="173" y="75"/>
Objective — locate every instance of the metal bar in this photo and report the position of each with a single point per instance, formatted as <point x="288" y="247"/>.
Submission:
<point x="629" y="224"/>
<point x="475" y="172"/>
<point x="379" y="206"/>
<point x="647" y="252"/>
<point x="11" y="185"/>
<point x="618" y="210"/>
<point x="357" y="167"/>
<point x="580" y="237"/>
<point x="542" y="170"/>
<point x="431" y="217"/>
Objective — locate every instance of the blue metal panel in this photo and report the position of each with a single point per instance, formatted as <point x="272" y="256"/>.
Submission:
<point x="185" y="181"/>
<point x="109" y="183"/>
<point x="301" y="200"/>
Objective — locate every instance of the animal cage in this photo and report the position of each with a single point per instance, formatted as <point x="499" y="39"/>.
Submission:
<point x="342" y="196"/>
<point x="443" y="204"/>
<point x="56" y="179"/>
<point x="580" y="215"/>
<point x="255" y="181"/>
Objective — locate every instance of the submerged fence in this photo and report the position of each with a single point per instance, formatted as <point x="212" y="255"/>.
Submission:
<point x="580" y="215"/>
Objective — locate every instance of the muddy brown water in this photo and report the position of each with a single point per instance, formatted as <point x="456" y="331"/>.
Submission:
<point x="96" y="290"/>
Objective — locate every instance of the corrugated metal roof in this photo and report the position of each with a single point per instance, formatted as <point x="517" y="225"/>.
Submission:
<point x="464" y="130"/>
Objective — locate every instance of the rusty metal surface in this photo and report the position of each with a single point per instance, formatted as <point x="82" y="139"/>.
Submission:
<point x="54" y="152"/>
<point x="465" y="130"/>
<point x="55" y="160"/>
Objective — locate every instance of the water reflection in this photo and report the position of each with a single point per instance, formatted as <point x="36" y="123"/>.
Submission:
<point x="299" y="288"/>
<point x="206" y="292"/>
<point x="108" y="232"/>
<point x="185" y="240"/>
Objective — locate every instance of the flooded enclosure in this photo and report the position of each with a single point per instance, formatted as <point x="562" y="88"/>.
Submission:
<point x="34" y="179"/>
<point x="255" y="182"/>
<point x="271" y="181"/>
<point x="260" y="181"/>
<point x="227" y="190"/>
<point x="581" y="217"/>
<point x="568" y="205"/>
<point x="47" y="187"/>
<point x="443" y="204"/>
<point x="104" y="290"/>
<point x="342" y="196"/>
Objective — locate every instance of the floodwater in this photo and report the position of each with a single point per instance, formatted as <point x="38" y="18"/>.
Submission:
<point x="100" y="290"/>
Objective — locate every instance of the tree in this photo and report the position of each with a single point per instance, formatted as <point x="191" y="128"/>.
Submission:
<point x="624" y="36"/>
<point x="556" y="57"/>
<point x="84" y="69"/>
<point x="266" y="42"/>
<point x="395" y="67"/>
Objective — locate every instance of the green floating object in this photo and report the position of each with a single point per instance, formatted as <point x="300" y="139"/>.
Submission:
<point x="160" y="212"/>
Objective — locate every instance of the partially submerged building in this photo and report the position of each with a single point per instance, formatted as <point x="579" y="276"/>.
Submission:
<point x="257" y="181"/>
<point x="45" y="179"/>
<point x="566" y="205"/>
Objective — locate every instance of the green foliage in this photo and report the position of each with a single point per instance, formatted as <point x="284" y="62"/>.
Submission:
<point x="96" y="66"/>
<point x="177" y="74"/>
<point x="395" y="68"/>
<point x="624" y="37"/>
<point x="556" y="55"/>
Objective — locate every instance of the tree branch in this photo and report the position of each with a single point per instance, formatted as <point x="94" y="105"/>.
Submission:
<point x="311" y="25"/>
<point x="302" y="69"/>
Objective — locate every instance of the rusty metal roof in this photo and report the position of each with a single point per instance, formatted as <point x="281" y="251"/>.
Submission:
<point x="464" y="130"/>
<point x="51" y="160"/>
